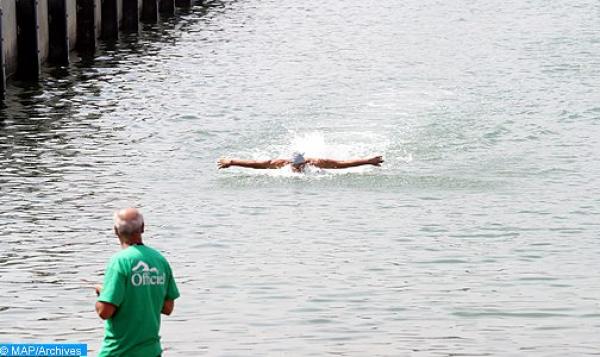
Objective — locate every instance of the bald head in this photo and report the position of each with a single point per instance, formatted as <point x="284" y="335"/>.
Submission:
<point x="129" y="225"/>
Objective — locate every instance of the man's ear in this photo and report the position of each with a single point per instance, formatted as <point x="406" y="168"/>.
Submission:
<point x="116" y="231"/>
<point x="142" y="230"/>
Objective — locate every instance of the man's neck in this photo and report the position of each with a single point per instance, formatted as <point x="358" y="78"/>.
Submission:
<point x="127" y="245"/>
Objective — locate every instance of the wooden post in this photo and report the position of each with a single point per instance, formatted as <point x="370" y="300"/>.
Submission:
<point x="42" y="30"/>
<point x="2" y="62"/>
<point x="59" y="35"/>
<point x="183" y="3"/>
<point x="27" y="39"/>
<point x="150" y="11"/>
<point x="131" y="15"/>
<point x="110" y="20"/>
<point x="88" y="24"/>
<point x="9" y="37"/>
<point x="167" y="7"/>
<point x="71" y="9"/>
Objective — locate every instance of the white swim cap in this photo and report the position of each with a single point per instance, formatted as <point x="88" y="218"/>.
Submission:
<point x="297" y="158"/>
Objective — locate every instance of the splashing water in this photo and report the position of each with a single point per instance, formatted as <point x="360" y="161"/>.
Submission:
<point x="339" y="146"/>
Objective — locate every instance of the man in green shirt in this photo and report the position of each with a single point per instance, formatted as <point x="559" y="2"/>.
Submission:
<point x="138" y="287"/>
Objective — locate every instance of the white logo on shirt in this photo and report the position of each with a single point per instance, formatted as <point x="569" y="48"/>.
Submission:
<point x="142" y="274"/>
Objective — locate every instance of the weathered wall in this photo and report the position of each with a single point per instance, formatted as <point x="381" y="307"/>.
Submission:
<point x="9" y="33"/>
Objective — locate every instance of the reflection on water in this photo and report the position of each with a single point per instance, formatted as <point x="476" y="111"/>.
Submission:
<point x="476" y="237"/>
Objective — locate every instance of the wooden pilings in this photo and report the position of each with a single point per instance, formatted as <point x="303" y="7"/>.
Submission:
<point x="33" y="32"/>
<point x="2" y="62"/>
<point x="132" y="10"/>
<point x="58" y="26"/>
<point x="27" y="51"/>
<point x="88" y="24"/>
<point x="32" y="37"/>
<point x="183" y="3"/>
<point x="110" y="19"/>
<point x="166" y="7"/>
<point x="8" y="43"/>
<point x="62" y="28"/>
<point x="149" y="11"/>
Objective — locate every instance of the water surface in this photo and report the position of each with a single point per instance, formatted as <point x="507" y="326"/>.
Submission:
<point x="478" y="236"/>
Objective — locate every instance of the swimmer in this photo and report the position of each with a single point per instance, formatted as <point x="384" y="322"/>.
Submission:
<point x="298" y="162"/>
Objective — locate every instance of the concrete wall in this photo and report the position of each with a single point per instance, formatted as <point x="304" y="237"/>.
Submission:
<point x="72" y="23"/>
<point x="9" y="34"/>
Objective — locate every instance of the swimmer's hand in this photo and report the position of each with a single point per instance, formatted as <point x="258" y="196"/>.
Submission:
<point x="224" y="163"/>
<point x="375" y="161"/>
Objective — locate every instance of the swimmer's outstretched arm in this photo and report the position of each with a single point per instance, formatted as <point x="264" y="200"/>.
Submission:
<point x="343" y="164"/>
<point x="253" y="164"/>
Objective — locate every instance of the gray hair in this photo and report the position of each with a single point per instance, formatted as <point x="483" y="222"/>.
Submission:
<point x="127" y="228"/>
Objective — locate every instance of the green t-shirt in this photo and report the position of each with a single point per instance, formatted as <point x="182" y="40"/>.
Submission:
<point x="137" y="281"/>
